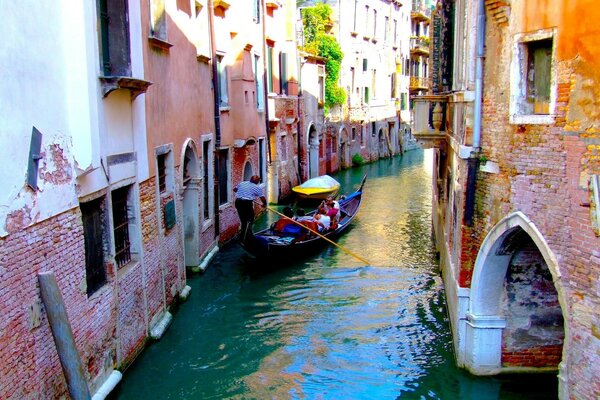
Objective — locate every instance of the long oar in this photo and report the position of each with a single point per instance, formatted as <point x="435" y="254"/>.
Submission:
<point x="318" y="234"/>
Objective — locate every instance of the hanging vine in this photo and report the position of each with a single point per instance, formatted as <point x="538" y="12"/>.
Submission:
<point x="318" y="41"/>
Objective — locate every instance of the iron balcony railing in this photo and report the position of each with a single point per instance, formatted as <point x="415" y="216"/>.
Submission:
<point x="418" y="83"/>
<point x="419" y="45"/>
<point x="420" y="10"/>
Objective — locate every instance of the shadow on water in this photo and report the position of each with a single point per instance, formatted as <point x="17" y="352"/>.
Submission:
<point x="327" y="326"/>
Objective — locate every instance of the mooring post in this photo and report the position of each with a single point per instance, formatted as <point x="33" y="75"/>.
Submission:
<point x="63" y="336"/>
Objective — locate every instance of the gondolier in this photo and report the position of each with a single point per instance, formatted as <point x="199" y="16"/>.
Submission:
<point x="246" y="194"/>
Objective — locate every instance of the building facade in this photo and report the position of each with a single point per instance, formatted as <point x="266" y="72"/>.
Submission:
<point x="516" y="218"/>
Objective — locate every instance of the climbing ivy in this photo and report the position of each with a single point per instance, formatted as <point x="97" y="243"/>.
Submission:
<point x="317" y="41"/>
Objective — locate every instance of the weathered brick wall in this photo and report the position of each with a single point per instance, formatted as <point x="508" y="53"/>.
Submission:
<point x="152" y="249"/>
<point x="534" y="357"/>
<point x="544" y="173"/>
<point x="534" y="321"/>
<point x="30" y="367"/>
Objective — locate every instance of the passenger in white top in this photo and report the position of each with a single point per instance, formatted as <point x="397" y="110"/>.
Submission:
<point x="323" y="219"/>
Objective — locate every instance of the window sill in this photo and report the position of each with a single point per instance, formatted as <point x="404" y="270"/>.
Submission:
<point x="354" y="34"/>
<point x="206" y="224"/>
<point x="159" y="43"/>
<point x="224" y="108"/>
<point x="203" y="59"/>
<point x="367" y="38"/>
<point x="125" y="269"/>
<point x="135" y="85"/>
<point x="532" y="119"/>
<point x="374" y="40"/>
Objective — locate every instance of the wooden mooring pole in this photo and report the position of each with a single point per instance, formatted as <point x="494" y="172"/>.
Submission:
<point x="63" y="336"/>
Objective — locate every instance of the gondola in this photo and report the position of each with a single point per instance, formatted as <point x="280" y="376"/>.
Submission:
<point x="278" y="247"/>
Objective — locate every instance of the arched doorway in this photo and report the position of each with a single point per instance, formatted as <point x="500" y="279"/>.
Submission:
<point x="515" y="311"/>
<point x="191" y="212"/>
<point x="313" y="152"/>
<point x="247" y="171"/>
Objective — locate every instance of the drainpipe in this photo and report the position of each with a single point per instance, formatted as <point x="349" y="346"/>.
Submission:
<point x="217" y="114"/>
<point x="480" y="42"/>
<point x="266" y="82"/>
<point x="299" y="134"/>
<point x="473" y="161"/>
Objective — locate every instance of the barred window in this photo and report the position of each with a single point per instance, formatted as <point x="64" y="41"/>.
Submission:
<point x="161" y="161"/>
<point x="121" y="225"/>
<point x="92" y="215"/>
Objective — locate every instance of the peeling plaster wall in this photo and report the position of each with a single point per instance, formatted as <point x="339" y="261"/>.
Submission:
<point x="48" y="48"/>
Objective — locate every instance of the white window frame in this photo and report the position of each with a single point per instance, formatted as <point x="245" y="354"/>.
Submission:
<point x="228" y="191"/>
<point x="207" y="222"/>
<point x="223" y="82"/>
<point x="518" y="82"/>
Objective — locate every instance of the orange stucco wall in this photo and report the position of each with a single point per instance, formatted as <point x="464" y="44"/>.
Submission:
<point x="577" y="22"/>
<point x="179" y="102"/>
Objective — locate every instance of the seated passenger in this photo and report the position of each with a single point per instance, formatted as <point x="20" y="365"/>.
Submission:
<point x="332" y="207"/>
<point x="308" y="221"/>
<point x="284" y="221"/>
<point x="323" y="219"/>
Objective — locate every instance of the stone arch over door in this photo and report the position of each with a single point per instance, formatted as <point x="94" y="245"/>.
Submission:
<point x="488" y="304"/>
<point x="313" y="151"/>
<point x="191" y="203"/>
<point x="344" y="150"/>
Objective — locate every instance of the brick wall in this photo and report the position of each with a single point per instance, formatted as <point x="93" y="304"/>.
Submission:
<point x="30" y="367"/>
<point x="544" y="173"/>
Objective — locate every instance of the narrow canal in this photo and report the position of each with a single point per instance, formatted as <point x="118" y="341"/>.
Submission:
<point x="327" y="327"/>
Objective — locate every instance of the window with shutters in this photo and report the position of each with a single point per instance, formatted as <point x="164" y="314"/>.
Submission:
<point x="533" y="79"/>
<point x="222" y="77"/>
<point x="93" y="218"/>
<point x="283" y="73"/>
<point x="270" y="67"/>
<point x="224" y="186"/>
<point x="114" y="37"/>
<point x="258" y="83"/>
<point x="256" y="11"/>
<point x="158" y="20"/>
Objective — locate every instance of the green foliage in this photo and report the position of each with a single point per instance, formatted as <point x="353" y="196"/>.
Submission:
<point x="318" y="42"/>
<point x="357" y="160"/>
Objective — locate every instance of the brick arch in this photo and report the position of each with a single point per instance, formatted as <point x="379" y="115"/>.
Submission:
<point x="484" y="320"/>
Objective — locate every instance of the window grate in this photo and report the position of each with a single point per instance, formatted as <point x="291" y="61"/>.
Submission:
<point x="121" y="226"/>
<point x="162" y="172"/>
<point x="92" y="218"/>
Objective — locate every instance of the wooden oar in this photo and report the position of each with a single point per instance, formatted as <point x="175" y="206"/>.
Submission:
<point x="317" y="233"/>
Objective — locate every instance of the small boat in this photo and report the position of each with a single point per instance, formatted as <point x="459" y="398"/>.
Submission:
<point x="278" y="247"/>
<point x="317" y="188"/>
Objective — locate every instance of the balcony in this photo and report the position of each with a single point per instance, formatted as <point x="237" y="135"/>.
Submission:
<point x="418" y="83"/>
<point x="420" y="11"/>
<point x="437" y="119"/>
<point x="419" y="45"/>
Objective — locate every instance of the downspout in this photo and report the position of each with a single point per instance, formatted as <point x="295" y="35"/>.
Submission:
<point x="265" y="81"/>
<point x="217" y="114"/>
<point x="299" y="134"/>
<point x="473" y="161"/>
<point x="480" y="43"/>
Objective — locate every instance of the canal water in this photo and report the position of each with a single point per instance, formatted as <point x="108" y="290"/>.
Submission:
<point x="329" y="326"/>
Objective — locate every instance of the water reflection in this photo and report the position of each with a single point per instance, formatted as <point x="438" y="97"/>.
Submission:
<point x="328" y="327"/>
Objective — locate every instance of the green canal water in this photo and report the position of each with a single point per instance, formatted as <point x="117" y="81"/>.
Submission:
<point x="327" y="327"/>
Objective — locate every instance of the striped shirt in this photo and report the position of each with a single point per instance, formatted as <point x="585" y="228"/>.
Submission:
<point x="247" y="190"/>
